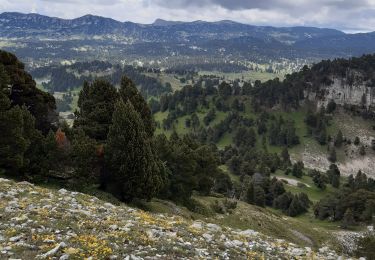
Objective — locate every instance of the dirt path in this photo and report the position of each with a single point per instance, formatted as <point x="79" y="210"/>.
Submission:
<point x="292" y="182"/>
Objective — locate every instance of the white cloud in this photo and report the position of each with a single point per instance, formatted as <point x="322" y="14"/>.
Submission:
<point x="358" y="15"/>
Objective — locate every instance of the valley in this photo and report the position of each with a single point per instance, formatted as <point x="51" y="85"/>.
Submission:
<point x="185" y="140"/>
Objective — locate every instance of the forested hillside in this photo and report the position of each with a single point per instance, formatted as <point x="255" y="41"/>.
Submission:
<point x="209" y="146"/>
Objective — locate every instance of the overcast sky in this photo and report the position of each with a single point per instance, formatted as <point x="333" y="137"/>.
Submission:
<point x="347" y="15"/>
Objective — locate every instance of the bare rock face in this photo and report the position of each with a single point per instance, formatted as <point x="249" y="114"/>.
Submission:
<point x="359" y="93"/>
<point x="351" y="90"/>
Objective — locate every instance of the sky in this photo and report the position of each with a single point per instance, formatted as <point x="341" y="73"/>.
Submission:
<point x="346" y="15"/>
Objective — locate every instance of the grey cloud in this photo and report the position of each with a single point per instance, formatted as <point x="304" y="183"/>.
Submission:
<point x="264" y="4"/>
<point x="350" y="15"/>
<point x="227" y="4"/>
<point x="91" y="2"/>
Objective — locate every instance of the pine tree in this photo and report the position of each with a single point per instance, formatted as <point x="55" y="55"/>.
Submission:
<point x="51" y="153"/>
<point x="24" y="93"/>
<point x="195" y="121"/>
<point x="135" y="172"/>
<point x="348" y="219"/>
<point x="225" y="90"/>
<point x="339" y="139"/>
<point x="84" y="157"/>
<point x="283" y="201"/>
<point x="331" y="106"/>
<point x="285" y="157"/>
<point x="332" y="155"/>
<point x="295" y="207"/>
<point x="297" y="170"/>
<point x="128" y="91"/>
<point x="250" y="194"/>
<point x="319" y="180"/>
<point x="334" y="175"/>
<point x="17" y="128"/>
<point x="96" y="103"/>
<point x="4" y="80"/>
<point x="259" y="196"/>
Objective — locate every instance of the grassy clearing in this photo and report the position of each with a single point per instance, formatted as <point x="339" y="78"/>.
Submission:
<point x="315" y="194"/>
<point x="164" y="78"/>
<point x="246" y="75"/>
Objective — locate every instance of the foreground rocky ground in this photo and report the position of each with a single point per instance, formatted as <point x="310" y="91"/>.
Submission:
<point x="39" y="223"/>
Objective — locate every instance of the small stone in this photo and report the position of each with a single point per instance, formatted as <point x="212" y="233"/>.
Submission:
<point x="213" y="227"/>
<point x="248" y="232"/>
<point x="109" y="205"/>
<point x="53" y="251"/>
<point x="49" y="241"/>
<point x="113" y="227"/>
<point x="208" y="237"/>
<point x="16" y="238"/>
<point x="237" y="243"/>
<point x="63" y="191"/>
<point x="19" y="219"/>
<point x="196" y="225"/>
<point x="297" y="252"/>
<point x="64" y="257"/>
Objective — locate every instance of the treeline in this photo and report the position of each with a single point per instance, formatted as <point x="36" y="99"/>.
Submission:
<point x="26" y="115"/>
<point x="111" y="145"/>
<point x="252" y="163"/>
<point x="354" y="202"/>
<point x="65" y="78"/>
<point x="223" y="97"/>
<point x="224" y="67"/>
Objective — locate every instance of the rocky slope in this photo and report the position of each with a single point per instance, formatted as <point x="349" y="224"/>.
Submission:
<point x="357" y="94"/>
<point x="58" y="224"/>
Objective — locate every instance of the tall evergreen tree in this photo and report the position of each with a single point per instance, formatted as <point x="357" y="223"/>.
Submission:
<point x="96" y="104"/>
<point x="332" y="155"/>
<point x="17" y="128"/>
<point x="259" y="196"/>
<point x="23" y="92"/>
<point x="84" y="157"/>
<point x="285" y="157"/>
<point x="348" y="219"/>
<point x="339" y="139"/>
<point x="135" y="172"/>
<point x="334" y="175"/>
<point x="129" y="91"/>
<point x="13" y="143"/>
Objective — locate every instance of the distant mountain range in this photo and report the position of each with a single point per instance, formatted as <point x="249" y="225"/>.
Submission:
<point x="226" y="40"/>
<point x="35" y="25"/>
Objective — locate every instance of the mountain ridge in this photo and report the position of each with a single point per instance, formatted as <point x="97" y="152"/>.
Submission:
<point x="157" y="22"/>
<point x="33" y="21"/>
<point x="38" y="38"/>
